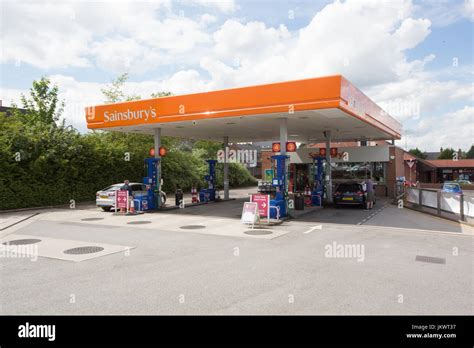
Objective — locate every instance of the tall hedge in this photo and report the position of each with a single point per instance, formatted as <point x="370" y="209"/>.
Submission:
<point x="44" y="164"/>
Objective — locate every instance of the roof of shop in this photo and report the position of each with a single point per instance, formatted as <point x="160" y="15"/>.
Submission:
<point x="446" y="163"/>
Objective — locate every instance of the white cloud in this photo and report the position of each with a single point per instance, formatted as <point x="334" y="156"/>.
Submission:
<point x="78" y="94"/>
<point x="367" y="42"/>
<point x="443" y="13"/>
<point x="225" y="6"/>
<point x="362" y="40"/>
<point x="418" y="96"/>
<point x="454" y="130"/>
<point x="43" y="34"/>
<point x="251" y="41"/>
<point x="468" y="9"/>
<point x="208" y="19"/>
<point x="111" y="35"/>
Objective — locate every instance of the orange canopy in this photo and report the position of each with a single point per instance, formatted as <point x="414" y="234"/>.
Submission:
<point x="252" y="113"/>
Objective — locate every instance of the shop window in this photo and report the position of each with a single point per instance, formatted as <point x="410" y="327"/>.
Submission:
<point x="358" y="171"/>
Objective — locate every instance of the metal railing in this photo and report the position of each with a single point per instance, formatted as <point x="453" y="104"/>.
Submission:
<point x="458" y="206"/>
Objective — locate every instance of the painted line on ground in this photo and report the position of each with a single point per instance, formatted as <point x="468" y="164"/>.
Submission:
<point x="19" y="221"/>
<point x="318" y="227"/>
<point x="372" y="215"/>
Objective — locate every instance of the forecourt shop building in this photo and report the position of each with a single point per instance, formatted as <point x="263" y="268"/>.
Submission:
<point x="324" y="109"/>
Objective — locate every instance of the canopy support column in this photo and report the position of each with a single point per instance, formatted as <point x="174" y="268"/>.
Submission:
<point x="283" y="140"/>
<point x="327" y="135"/>
<point x="157" y="139"/>
<point x="226" y="168"/>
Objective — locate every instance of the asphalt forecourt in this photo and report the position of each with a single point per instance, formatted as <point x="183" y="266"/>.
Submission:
<point x="311" y="268"/>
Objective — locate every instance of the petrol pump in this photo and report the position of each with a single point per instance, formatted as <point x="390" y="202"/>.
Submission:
<point x="209" y="193"/>
<point x="279" y="182"/>
<point x="153" y="198"/>
<point x="318" y="188"/>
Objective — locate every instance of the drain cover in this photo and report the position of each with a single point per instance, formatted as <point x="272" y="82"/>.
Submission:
<point x="92" y="219"/>
<point x="138" y="222"/>
<point x="83" y="250"/>
<point x="192" y="227"/>
<point x="258" y="232"/>
<point x="430" y="259"/>
<point x="22" y="241"/>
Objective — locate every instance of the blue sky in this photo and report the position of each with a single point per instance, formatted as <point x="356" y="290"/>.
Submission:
<point x="414" y="58"/>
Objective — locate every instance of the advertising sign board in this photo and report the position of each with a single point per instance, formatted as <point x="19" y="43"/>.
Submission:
<point x="121" y="199"/>
<point x="263" y="204"/>
<point x="249" y="213"/>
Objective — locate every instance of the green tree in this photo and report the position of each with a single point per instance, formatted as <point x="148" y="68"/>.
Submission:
<point x="43" y="104"/>
<point x="470" y="152"/>
<point x="418" y="153"/>
<point x="447" y="153"/>
<point x="161" y="94"/>
<point x="42" y="163"/>
<point x="113" y="92"/>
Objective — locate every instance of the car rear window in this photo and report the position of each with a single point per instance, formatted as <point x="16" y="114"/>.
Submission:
<point x="349" y="187"/>
<point x="137" y="187"/>
<point x="451" y="186"/>
<point x="112" y="188"/>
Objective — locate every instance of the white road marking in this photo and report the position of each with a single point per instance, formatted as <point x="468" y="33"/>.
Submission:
<point x="371" y="215"/>
<point x="318" y="227"/>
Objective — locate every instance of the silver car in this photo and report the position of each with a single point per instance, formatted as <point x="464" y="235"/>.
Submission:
<point x="106" y="198"/>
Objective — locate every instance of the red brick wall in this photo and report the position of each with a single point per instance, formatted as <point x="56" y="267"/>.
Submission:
<point x="395" y="167"/>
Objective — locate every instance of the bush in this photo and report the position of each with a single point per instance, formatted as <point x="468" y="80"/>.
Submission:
<point x="42" y="164"/>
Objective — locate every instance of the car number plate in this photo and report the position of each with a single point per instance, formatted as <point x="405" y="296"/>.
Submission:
<point x="104" y="197"/>
<point x="347" y="198"/>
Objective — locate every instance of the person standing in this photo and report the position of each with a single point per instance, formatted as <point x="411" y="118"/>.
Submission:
<point x="126" y="187"/>
<point x="370" y="197"/>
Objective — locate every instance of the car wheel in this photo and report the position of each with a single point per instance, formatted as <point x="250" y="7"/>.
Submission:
<point x="106" y="208"/>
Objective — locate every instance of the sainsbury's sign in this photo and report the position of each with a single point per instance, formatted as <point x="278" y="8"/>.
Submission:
<point x="130" y="115"/>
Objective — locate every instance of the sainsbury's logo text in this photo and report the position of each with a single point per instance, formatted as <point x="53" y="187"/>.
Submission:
<point x="130" y="115"/>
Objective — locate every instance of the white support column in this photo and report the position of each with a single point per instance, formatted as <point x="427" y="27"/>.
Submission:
<point x="226" y="169"/>
<point x="283" y="140"/>
<point x="157" y="139"/>
<point x="327" y="135"/>
<point x="283" y="135"/>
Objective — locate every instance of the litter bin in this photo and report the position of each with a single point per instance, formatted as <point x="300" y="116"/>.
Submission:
<point x="178" y="196"/>
<point x="299" y="201"/>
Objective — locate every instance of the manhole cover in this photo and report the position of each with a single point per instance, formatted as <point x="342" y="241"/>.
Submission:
<point x="430" y="259"/>
<point x="138" y="222"/>
<point x="192" y="227"/>
<point x="258" y="232"/>
<point x="83" y="250"/>
<point x="22" y="241"/>
<point x="92" y="219"/>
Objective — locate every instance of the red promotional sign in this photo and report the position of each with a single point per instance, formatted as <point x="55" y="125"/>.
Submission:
<point x="291" y="146"/>
<point x="162" y="151"/>
<point x="263" y="204"/>
<point x="332" y="151"/>
<point x="121" y="198"/>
